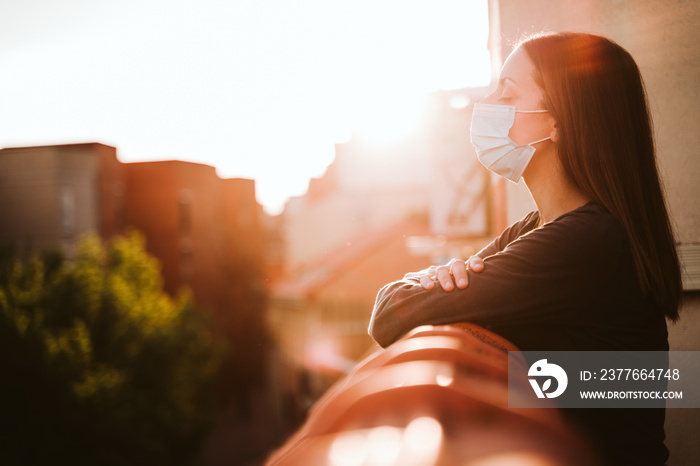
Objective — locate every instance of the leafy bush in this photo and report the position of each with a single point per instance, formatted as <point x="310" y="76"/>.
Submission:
<point x="99" y="365"/>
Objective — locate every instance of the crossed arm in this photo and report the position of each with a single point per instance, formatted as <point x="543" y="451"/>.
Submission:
<point x="539" y="278"/>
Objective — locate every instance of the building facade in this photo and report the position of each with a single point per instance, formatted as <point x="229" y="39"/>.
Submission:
<point x="53" y="194"/>
<point x="207" y="232"/>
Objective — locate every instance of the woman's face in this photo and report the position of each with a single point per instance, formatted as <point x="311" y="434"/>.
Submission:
<point x="516" y="87"/>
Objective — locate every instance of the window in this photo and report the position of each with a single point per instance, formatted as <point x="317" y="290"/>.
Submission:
<point x="185" y="211"/>
<point x="67" y="207"/>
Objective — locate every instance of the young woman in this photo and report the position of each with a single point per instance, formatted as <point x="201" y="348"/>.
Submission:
<point x="595" y="267"/>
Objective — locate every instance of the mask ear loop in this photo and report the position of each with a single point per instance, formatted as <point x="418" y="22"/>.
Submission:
<point x="534" y="111"/>
<point x="544" y="139"/>
<point x="531" y="111"/>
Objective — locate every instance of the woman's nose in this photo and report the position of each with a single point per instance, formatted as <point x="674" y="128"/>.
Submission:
<point x="489" y="99"/>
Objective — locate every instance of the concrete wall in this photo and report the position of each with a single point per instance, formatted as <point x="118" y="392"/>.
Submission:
<point x="664" y="38"/>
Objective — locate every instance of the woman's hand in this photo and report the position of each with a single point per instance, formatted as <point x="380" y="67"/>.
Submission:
<point x="454" y="273"/>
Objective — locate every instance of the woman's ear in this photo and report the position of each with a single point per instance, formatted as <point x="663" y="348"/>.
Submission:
<point x="554" y="133"/>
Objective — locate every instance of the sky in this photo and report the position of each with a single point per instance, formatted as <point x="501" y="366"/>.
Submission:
<point x="260" y="89"/>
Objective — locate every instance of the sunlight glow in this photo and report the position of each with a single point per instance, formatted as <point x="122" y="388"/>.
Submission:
<point x="423" y="436"/>
<point x="418" y="444"/>
<point x="514" y="459"/>
<point x="323" y="355"/>
<point x="259" y="90"/>
<point x="391" y="119"/>
<point x="348" y="449"/>
<point x="384" y="446"/>
<point x="445" y="377"/>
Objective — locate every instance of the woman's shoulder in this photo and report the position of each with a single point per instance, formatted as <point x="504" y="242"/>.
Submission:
<point x="586" y="218"/>
<point x="591" y="221"/>
<point x="521" y="227"/>
<point x="586" y="227"/>
<point x="583" y="234"/>
<point x="588" y="210"/>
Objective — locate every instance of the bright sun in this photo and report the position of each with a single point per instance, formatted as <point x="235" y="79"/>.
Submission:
<point x="257" y="91"/>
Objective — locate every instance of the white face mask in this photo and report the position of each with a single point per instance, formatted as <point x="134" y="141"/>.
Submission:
<point x="495" y="149"/>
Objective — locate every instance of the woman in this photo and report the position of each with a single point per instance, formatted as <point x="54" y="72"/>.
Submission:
<point x="595" y="267"/>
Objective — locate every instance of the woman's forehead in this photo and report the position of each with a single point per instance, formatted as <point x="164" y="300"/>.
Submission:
<point x="518" y="68"/>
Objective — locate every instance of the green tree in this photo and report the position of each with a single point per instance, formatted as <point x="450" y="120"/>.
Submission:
<point x="99" y="365"/>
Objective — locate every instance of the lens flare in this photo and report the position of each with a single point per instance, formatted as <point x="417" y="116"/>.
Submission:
<point x="514" y="459"/>
<point x="423" y="435"/>
<point x="348" y="449"/>
<point x="384" y="446"/>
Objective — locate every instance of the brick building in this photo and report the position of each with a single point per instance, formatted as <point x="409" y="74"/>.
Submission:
<point x="50" y="195"/>
<point x="207" y="232"/>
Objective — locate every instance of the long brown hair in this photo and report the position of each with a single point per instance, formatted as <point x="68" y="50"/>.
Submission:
<point x="594" y="91"/>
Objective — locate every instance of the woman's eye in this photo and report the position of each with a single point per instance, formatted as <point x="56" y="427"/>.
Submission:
<point x="505" y="95"/>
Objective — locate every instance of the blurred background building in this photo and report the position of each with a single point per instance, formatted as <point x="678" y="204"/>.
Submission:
<point x="51" y="195"/>
<point x="202" y="229"/>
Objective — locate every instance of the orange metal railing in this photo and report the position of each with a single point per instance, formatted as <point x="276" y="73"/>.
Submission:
<point x="438" y="396"/>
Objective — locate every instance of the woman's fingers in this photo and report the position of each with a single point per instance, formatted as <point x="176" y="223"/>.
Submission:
<point x="475" y="263"/>
<point x="427" y="280"/>
<point x="451" y="275"/>
<point x="444" y="277"/>
<point x="459" y="272"/>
